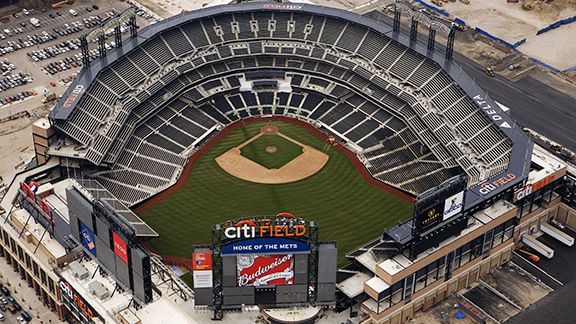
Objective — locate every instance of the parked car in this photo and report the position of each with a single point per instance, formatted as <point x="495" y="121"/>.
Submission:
<point x="12" y="309"/>
<point x="5" y="291"/>
<point x="26" y="316"/>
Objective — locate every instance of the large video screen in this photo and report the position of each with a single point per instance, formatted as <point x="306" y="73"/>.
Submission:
<point x="265" y="270"/>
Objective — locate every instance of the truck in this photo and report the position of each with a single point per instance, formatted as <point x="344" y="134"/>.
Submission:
<point x="49" y="98"/>
<point x="35" y="22"/>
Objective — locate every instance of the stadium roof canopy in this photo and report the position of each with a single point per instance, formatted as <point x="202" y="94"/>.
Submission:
<point x="414" y="119"/>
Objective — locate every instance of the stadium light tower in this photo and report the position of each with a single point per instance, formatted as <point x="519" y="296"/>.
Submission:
<point x="417" y="16"/>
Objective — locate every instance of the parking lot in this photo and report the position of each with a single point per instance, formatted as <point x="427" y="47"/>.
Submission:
<point x="558" y="306"/>
<point x="41" y="47"/>
<point x="11" y="309"/>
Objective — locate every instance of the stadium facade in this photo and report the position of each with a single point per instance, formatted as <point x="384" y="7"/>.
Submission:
<point x="125" y="128"/>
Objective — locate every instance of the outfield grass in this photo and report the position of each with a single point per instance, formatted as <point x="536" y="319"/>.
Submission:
<point x="347" y="209"/>
<point x="256" y="151"/>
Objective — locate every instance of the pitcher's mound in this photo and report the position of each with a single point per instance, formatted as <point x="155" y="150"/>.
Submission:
<point x="269" y="130"/>
<point x="271" y="149"/>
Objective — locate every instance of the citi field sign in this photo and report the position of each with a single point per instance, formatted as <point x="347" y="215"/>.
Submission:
<point x="249" y="230"/>
<point x="277" y="234"/>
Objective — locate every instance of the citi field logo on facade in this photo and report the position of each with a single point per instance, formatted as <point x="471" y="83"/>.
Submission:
<point x="249" y="229"/>
<point x="489" y="186"/>
<point x="73" y="297"/>
<point x="77" y="92"/>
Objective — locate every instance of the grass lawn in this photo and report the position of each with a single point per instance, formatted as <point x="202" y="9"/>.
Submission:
<point x="256" y="151"/>
<point x="188" y="279"/>
<point x="347" y="209"/>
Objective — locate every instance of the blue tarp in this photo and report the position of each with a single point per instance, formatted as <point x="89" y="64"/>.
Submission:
<point x="512" y="46"/>
<point x="557" y="24"/>
<point x="544" y="64"/>
<point x="459" y="21"/>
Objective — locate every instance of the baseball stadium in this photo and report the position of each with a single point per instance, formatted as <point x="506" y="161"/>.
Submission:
<point x="180" y="87"/>
<point x="376" y="143"/>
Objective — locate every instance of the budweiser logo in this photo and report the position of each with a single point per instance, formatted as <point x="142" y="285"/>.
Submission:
<point x="265" y="270"/>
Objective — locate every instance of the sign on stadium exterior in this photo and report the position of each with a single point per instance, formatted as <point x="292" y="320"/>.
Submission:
<point x="76" y="304"/>
<point x="282" y="233"/>
<point x="438" y="205"/>
<point x="264" y="260"/>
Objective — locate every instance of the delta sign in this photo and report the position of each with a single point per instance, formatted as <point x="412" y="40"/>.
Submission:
<point x="278" y="235"/>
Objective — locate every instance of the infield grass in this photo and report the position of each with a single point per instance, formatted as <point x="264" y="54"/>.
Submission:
<point x="347" y="209"/>
<point x="286" y="151"/>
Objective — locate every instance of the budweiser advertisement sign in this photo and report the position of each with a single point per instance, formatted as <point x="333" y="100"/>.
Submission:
<point x="265" y="270"/>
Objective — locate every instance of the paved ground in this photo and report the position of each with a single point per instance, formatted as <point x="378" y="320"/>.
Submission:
<point x="42" y="79"/>
<point x="532" y="103"/>
<point x="491" y="303"/>
<point x="557" y="307"/>
<point x="25" y="296"/>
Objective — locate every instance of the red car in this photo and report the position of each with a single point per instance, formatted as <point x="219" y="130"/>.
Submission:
<point x="12" y="309"/>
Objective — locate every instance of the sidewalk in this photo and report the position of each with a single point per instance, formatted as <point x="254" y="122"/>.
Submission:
<point x="25" y="296"/>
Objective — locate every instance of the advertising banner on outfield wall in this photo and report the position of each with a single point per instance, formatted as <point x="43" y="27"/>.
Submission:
<point x="120" y="248"/>
<point x="87" y="238"/>
<point x="265" y="270"/>
<point x="202" y="278"/>
<point x="265" y="245"/>
<point x="201" y="261"/>
<point x="430" y="216"/>
<point x="453" y="205"/>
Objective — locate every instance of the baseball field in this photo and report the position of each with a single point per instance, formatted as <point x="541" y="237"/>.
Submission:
<point x="348" y="208"/>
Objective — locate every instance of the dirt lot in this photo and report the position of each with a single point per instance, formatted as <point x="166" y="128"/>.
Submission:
<point x="494" y="305"/>
<point x="555" y="48"/>
<point x="508" y="20"/>
<point x="15" y="146"/>
<point x="511" y="23"/>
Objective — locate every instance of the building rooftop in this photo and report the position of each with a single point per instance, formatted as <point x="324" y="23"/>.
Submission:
<point x="21" y="217"/>
<point x="115" y="303"/>
<point x="42" y="123"/>
<point x="377" y="284"/>
<point x="353" y="286"/>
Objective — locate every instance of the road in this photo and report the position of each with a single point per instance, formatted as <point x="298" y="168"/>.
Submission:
<point x="532" y="103"/>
